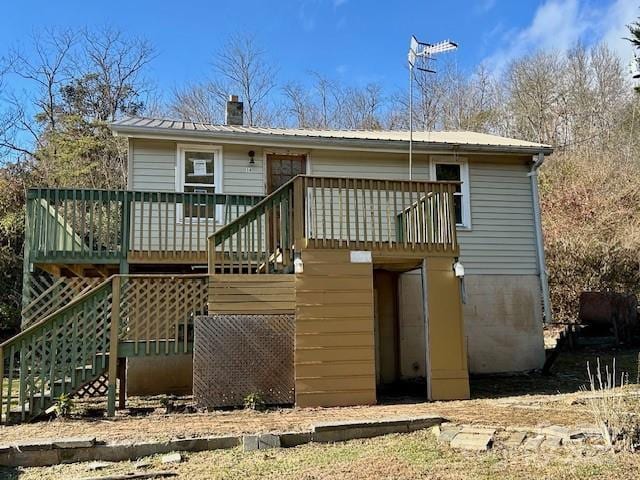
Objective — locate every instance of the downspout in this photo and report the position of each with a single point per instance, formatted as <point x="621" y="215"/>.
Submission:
<point x="542" y="269"/>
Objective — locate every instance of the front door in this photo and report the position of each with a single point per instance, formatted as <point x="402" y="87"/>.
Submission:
<point x="282" y="168"/>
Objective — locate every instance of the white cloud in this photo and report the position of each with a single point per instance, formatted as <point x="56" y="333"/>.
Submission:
<point x="614" y="26"/>
<point x="559" y="24"/>
<point x="484" y="6"/>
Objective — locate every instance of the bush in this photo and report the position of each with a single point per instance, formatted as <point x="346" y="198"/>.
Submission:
<point x="254" y="401"/>
<point x="619" y="426"/>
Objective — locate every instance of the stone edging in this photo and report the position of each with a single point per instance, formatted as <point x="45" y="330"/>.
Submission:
<point x="86" y="449"/>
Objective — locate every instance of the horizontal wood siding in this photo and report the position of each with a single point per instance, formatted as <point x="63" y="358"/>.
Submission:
<point x="502" y="235"/>
<point x="252" y="294"/>
<point x="334" y="356"/>
<point x="385" y="166"/>
<point x="153" y="167"/>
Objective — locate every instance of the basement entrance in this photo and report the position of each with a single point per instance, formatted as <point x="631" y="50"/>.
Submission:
<point x="400" y="335"/>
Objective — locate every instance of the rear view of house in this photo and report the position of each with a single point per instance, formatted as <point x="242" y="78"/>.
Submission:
<point x="386" y="281"/>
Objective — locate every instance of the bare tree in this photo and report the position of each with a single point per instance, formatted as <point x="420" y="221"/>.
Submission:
<point x="46" y="69"/>
<point x="198" y="103"/>
<point x="112" y="64"/>
<point x="240" y="67"/>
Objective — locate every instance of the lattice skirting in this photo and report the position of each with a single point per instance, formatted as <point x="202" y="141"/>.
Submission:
<point x="97" y="388"/>
<point x="236" y="355"/>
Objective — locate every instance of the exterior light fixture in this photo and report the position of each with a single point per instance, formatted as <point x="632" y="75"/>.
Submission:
<point x="458" y="269"/>
<point x="298" y="266"/>
<point x="252" y="160"/>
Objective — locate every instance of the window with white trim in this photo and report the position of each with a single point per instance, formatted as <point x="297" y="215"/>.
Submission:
<point x="199" y="170"/>
<point x="455" y="170"/>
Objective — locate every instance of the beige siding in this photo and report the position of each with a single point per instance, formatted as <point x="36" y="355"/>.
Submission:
<point x="502" y="235"/>
<point x="154" y="167"/>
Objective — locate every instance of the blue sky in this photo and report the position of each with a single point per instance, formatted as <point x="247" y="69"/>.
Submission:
<point x="355" y="40"/>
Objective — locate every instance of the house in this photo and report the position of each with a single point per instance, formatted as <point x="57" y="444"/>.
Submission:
<point x="391" y="273"/>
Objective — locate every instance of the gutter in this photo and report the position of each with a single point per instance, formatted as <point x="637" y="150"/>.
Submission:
<point x="542" y="268"/>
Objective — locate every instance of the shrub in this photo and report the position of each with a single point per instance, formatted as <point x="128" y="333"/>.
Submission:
<point x="254" y="401"/>
<point x="620" y="427"/>
<point x="63" y="406"/>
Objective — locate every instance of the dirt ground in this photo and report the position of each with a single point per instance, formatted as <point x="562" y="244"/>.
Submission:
<point x="503" y="401"/>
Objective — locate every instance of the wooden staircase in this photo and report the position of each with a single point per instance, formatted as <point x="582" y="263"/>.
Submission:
<point x="57" y="355"/>
<point x="67" y="351"/>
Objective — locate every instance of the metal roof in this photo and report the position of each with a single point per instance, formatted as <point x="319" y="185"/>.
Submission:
<point x="132" y="126"/>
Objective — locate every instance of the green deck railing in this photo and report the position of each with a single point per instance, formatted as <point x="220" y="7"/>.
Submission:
<point x="259" y="241"/>
<point x="56" y="355"/>
<point x="106" y="226"/>
<point x="125" y="315"/>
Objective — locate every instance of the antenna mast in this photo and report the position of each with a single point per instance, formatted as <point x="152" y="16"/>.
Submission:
<point x="423" y="52"/>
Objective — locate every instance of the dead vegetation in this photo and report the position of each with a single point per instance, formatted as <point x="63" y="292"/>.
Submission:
<point x="615" y="408"/>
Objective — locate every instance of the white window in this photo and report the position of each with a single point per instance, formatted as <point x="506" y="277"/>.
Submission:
<point x="448" y="169"/>
<point x="199" y="170"/>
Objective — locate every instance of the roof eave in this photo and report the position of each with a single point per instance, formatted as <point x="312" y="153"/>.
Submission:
<point x="320" y="142"/>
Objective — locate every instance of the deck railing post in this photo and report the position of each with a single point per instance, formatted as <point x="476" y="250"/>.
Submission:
<point x="125" y="232"/>
<point x="113" y="345"/>
<point x="298" y="213"/>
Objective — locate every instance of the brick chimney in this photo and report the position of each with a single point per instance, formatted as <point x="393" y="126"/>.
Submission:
<point x="234" y="114"/>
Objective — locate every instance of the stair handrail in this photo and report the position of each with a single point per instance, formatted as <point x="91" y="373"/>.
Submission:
<point x="288" y="194"/>
<point x="262" y="203"/>
<point x="57" y="312"/>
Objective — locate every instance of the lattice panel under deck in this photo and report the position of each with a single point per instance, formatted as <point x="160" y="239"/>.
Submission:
<point x="236" y="355"/>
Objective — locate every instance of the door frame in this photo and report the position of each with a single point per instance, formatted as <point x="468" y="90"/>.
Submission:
<point x="293" y="152"/>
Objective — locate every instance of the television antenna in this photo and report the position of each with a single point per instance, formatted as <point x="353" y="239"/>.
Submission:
<point x="420" y="56"/>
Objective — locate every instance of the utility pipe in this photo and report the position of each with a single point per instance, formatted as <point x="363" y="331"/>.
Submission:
<point x="544" y="282"/>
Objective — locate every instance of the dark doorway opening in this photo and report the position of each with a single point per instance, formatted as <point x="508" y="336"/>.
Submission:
<point x="400" y="336"/>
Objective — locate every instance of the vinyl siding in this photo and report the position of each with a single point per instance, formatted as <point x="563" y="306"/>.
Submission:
<point x="502" y="235"/>
<point x="153" y="167"/>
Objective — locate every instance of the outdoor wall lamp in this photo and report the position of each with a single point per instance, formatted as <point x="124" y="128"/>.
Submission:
<point x="252" y="160"/>
<point x="458" y="271"/>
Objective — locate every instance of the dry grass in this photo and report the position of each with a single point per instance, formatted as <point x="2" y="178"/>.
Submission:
<point x="521" y="400"/>
<point x="408" y="456"/>
<point x="513" y="411"/>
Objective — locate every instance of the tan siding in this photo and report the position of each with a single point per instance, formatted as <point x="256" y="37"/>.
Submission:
<point x="502" y="236"/>
<point x="334" y="357"/>
<point x="252" y="294"/>
<point x="448" y="375"/>
<point x="385" y="166"/>
<point x="154" y="165"/>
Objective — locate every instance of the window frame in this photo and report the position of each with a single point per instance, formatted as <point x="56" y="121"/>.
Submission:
<point x="180" y="182"/>
<point x="464" y="188"/>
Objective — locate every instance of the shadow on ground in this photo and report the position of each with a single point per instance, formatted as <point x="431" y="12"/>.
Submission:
<point x="568" y="374"/>
<point x="7" y="473"/>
